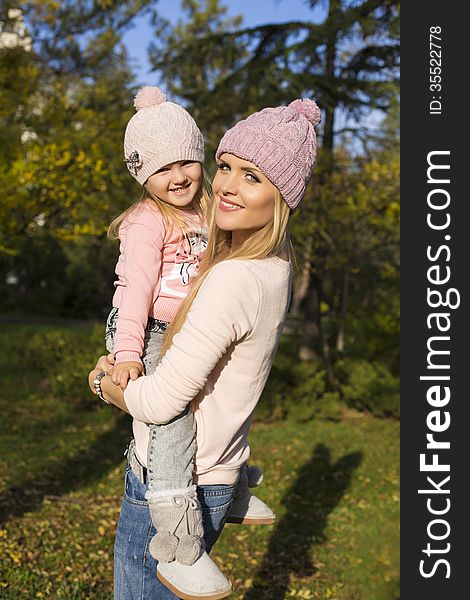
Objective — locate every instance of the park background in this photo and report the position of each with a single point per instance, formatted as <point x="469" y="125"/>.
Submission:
<point x="326" y="429"/>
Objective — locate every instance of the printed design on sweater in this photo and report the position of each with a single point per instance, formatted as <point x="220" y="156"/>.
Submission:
<point x="187" y="259"/>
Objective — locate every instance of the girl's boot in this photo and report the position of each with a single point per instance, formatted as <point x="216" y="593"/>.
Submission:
<point x="183" y="565"/>
<point x="246" y="508"/>
<point x="203" y="579"/>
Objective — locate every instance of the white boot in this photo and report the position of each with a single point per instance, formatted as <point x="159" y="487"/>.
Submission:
<point x="246" y="508"/>
<point x="203" y="579"/>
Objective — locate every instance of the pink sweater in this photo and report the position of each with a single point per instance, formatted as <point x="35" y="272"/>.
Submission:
<point x="153" y="269"/>
<point x="221" y="358"/>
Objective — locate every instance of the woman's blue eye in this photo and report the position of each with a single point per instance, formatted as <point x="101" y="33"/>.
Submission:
<point x="252" y="177"/>
<point x="222" y="166"/>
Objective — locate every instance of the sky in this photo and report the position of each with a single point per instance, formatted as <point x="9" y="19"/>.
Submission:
<point x="254" y="12"/>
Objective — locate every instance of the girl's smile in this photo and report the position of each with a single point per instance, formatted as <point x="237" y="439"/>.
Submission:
<point x="181" y="190"/>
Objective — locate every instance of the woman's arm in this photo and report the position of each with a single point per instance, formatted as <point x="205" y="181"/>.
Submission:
<point x="223" y="312"/>
<point x="111" y="392"/>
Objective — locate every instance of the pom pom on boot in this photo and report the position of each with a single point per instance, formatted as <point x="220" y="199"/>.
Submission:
<point x="163" y="546"/>
<point x="178" y="520"/>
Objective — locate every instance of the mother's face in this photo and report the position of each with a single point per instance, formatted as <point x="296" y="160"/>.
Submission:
<point x="244" y="197"/>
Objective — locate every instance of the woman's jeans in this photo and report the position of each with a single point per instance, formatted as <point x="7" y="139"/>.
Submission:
<point x="134" y="567"/>
<point x="172" y="447"/>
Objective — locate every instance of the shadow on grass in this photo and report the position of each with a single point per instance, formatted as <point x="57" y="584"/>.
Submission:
<point x="316" y="492"/>
<point x="84" y="468"/>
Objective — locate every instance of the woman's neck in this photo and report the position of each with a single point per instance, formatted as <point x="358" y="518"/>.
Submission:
<point x="239" y="237"/>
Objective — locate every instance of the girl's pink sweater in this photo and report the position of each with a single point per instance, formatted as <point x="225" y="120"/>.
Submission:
<point x="154" y="269"/>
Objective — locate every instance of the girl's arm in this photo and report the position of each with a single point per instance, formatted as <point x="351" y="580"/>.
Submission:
<point x="223" y="312"/>
<point x="144" y="232"/>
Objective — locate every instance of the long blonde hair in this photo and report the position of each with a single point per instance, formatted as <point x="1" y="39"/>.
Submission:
<point x="270" y="240"/>
<point x="172" y="215"/>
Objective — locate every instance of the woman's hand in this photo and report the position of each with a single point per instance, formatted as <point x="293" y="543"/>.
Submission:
<point x="105" y="363"/>
<point x="111" y="392"/>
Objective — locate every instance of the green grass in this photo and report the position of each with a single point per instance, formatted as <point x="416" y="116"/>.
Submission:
<point x="334" y="486"/>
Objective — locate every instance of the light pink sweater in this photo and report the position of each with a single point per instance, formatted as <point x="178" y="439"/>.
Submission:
<point x="221" y="358"/>
<point x="153" y="269"/>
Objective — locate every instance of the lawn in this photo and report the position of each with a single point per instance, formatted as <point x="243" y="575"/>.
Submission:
<point x="333" y="484"/>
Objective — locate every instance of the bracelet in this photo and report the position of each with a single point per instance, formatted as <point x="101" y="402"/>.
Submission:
<point x="97" y="386"/>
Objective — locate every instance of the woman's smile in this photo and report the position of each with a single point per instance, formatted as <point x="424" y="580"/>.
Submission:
<point x="227" y="205"/>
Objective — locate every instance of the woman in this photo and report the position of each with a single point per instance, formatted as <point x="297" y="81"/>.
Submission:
<point x="221" y="345"/>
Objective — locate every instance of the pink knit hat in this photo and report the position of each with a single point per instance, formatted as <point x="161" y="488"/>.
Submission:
<point x="281" y="142"/>
<point x="158" y="134"/>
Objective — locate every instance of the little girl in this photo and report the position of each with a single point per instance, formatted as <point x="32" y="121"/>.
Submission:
<point x="163" y="237"/>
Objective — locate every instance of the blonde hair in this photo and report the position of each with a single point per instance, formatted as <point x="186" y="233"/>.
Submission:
<point x="172" y="215"/>
<point x="270" y="240"/>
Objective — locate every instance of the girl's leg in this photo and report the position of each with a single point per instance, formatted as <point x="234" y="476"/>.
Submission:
<point x="134" y="566"/>
<point x="174" y="506"/>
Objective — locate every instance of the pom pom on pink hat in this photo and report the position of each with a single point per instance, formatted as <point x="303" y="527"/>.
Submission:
<point x="309" y="108"/>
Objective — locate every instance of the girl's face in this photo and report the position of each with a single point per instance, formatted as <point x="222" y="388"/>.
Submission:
<point x="177" y="182"/>
<point x="244" y="197"/>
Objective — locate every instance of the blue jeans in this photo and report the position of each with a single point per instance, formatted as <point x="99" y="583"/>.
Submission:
<point x="134" y="567"/>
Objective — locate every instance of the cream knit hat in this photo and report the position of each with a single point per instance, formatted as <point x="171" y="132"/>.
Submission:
<point x="158" y="134"/>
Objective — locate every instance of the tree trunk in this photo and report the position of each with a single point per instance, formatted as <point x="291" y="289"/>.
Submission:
<point x="314" y="341"/>
<point x="310" y="341"/>
<point x="332" y="381"/>
<point x="310" y="344"/>
<point x="342" y="318"/>
<point x="301" y="287"/>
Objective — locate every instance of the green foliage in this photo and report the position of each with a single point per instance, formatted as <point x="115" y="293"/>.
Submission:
<point x="370" y="385"/>
<point x="298" y="390"/>
<point x="222" y="68"/>
<point x="65" y="116"/>
<point x="60" y="357"/>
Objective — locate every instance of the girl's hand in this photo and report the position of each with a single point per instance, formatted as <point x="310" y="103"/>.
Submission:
<point x="122" y="372"/>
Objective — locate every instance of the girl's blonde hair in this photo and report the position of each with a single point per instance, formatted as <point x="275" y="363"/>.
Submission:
<point x="172" y="215"/>
<point x="270" y="240"/>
